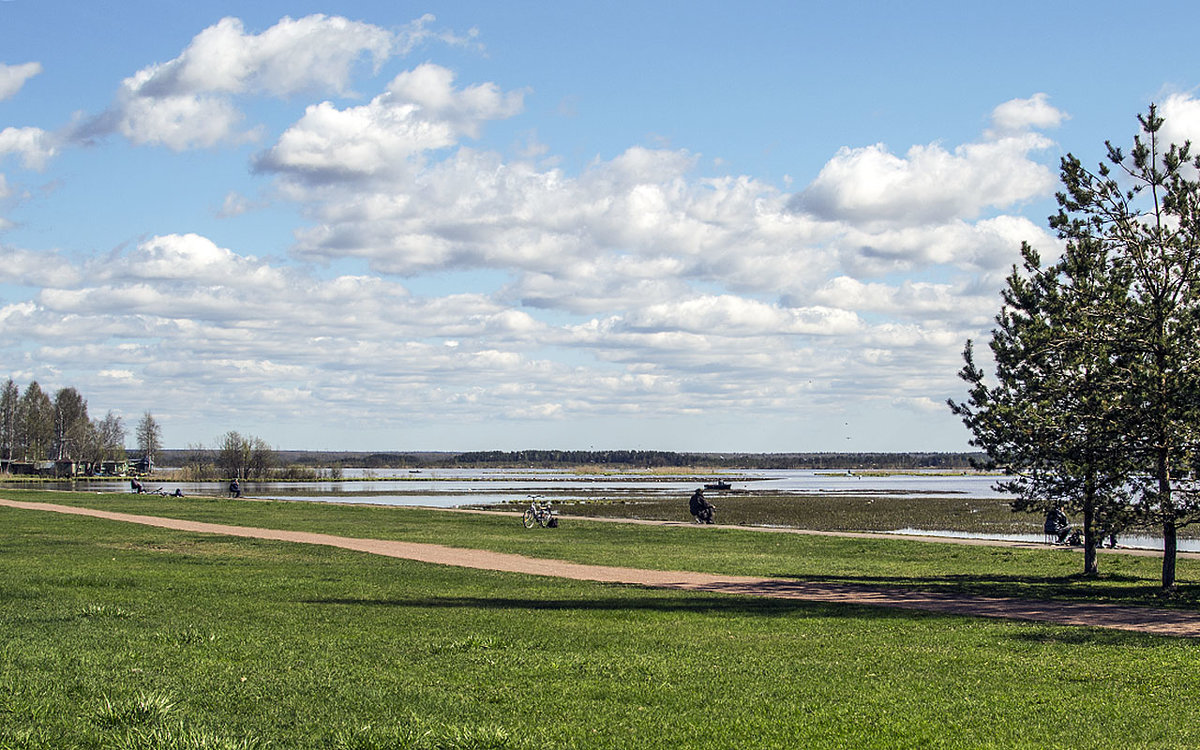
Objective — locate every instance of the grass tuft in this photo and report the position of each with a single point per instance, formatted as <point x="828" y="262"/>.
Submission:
<point x="179" y="737"/>
<point x="187" y="637"/>
<point x="103" y="610"/>
<point x="472" y="642"/>
<point x="144" y="709"/>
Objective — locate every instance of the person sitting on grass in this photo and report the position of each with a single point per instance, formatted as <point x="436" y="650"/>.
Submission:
<point x="1056" y="525"/>
<point x="701" y="509"/>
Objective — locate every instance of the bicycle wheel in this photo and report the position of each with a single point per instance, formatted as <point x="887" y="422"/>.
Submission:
<point x="529" y="518"/>
<point x="542" y="518"/>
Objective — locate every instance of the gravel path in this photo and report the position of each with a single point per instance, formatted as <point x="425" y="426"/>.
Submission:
<point x="1141" y="619"/>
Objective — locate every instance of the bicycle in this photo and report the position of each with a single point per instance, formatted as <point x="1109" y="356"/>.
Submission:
<point x="542" y="515"/>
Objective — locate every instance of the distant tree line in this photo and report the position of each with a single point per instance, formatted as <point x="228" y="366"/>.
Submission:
<point x="664" y="459"/>
<point x="35" y="427"/>
<point x="617" y="459"/>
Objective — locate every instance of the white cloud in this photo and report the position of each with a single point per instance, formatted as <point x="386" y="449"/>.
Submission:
<point x="293" y="56"/>
<point x="236" y="204"/>
<point x="929" y="184"/>
<point x="34" y="145"/>
<point x="635" y="286"/>
<point x="727" y="315"/>
<point x="179" y="122"/>
<point x="421" y="111"/>
<point x="1020" y="115"/>
<point x="188" y="102"/>
<point x="125" y="376"/>
<point x="13" y="77"/>
<point x="922" y="404"/>
<point x="474" y="210"/>
<point x="196" y="259"/>
<point x="987" y="245"/>
<point x="29" y="268"/>
<point x="1181" y="119"/>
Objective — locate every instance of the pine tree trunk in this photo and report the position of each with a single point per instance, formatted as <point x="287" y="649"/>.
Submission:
<point x="1167" y="510"/>
<point x="1170" y="544"/>
<point x="1090" y="565"/>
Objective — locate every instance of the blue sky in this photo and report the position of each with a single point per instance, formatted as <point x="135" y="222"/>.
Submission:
<point x="451" y="226"/>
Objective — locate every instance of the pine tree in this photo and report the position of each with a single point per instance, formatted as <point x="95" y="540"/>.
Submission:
<point x="1051" y="419"/>
<point x="35" y="421"/>
<point x="1145" y="208"/>
<point x="10" y="398"/>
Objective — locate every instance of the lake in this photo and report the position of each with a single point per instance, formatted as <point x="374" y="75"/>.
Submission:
<point x="449" y="488"/>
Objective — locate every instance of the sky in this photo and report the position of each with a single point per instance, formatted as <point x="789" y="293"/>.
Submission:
<point x="395" y="226"/>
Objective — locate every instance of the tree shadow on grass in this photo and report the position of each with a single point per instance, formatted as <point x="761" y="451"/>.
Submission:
<point x="1075" y="636"/>
<point x="1107" y="589"/>
<point x="699" y="603"/>
<point x="713" y="604"/>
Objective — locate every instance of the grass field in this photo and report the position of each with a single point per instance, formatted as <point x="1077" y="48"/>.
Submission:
<point x="122" y="636"/>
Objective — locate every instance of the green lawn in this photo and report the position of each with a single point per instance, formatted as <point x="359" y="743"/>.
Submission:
<point x="123" y="636"/>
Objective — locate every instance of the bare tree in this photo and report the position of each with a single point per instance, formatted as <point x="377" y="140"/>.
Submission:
<point x="71" y="424"/>
<point x="149" y="437"/>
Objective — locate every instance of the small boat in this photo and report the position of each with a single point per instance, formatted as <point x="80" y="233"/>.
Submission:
<point x="721" y="485"/>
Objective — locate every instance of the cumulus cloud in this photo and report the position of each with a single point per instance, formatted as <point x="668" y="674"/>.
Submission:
<point x="1181" y="116"/>
<point x="1020" y="115"/>
<point x="632" y="286"/>
<point x="13" y="77"/>
<point x="929" y="183"/>
<point x="35" y="269"/>
<point x="473" y="209"/>
<point x="188" y="102"/>
<point x="420" y="111"/>
<point x="33" y="145"/>
<point x="689" y="281"/>
<point x="295" y="55"/>
<point x="728" y="315"/>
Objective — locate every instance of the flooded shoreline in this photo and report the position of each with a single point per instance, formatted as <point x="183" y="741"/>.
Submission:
<point x="935" y="504"/>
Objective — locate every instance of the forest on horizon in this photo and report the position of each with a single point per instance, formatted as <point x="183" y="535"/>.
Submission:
<point x="629" y="459"/>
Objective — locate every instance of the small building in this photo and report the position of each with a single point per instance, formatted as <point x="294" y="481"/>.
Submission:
<point x="65" y="467"/>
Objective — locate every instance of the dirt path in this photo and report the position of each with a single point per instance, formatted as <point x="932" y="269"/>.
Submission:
<point x="1142" y="619"/>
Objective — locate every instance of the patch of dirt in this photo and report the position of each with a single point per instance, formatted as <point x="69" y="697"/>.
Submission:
<point x="1141" y="619"/>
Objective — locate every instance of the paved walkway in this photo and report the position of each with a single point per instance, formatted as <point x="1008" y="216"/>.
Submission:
<point x="1141" y="619"/>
